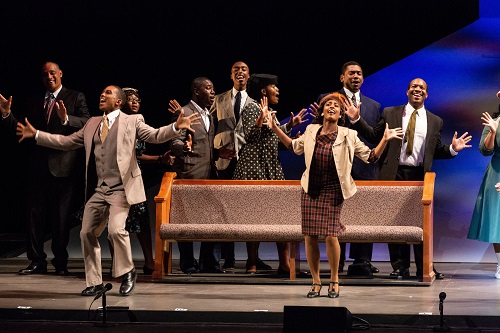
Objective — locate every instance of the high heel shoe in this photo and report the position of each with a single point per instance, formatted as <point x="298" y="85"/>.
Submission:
<point x="331" y="292"/>
<point x="313" y="293"/>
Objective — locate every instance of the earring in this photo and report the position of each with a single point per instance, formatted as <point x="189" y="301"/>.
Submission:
<point x="321" y="114"/>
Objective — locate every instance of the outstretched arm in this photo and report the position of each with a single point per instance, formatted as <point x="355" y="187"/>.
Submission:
<point x="271" y="123"/>
<point x="173" y="106"/>
<point x="186" y="122"/>
<point x="489" y="141"/>
<point x="5" y="105"/>
<point x="25" y="132"/>
<point x="297" y="120"/>
<point x="389" y="134"/>
<point x="460" y="143"/>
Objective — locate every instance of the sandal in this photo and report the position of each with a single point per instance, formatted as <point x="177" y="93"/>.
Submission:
<point x="331" y="292"/>
<point x="313" y="293"/>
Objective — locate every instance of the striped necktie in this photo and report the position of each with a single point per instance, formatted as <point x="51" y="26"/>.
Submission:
<point x="353" y="99"/>
<point x="49" y="101"/>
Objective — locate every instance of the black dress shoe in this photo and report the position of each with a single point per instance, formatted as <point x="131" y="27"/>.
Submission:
<point x="262" y="266"/>
<point x="190" y="270"/>
<point x="34" y="269"/>
<point x="147" y="271"/>
<point x="373" y="268"/>
<point x="404" y="272"/>
<point x="283" y="273"/>
<point x="92" y="290"/>
<point x="128" y="282"/>
<point x="229" y="264"/>
<point x="62" y="271"/>
<point x="368" y="263"/>
<point x="438" y="275"/>
<point x="214" y="270"/>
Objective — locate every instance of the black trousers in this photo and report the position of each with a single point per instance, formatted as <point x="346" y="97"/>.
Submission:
<point x="210" y="254"/>
<point x="50" y="205"/>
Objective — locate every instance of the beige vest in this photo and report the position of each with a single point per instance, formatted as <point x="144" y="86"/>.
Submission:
<point x="105" y="159"/>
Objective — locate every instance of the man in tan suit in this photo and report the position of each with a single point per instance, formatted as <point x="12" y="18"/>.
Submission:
<point x="225" y="111"/>
<point x="113" y="179"/>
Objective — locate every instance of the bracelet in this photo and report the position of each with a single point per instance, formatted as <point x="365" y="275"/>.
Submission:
<point x="159" y="159"/>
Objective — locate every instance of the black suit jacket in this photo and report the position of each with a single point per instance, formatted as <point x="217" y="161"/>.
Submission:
<point x="40" y="159"/>
<point x="389" y="161"/>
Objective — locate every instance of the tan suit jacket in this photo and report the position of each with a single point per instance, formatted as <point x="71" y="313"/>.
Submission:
<point x="228" y="131"/>
<point x="131" y="128"/>
<point x="346" y="146"/>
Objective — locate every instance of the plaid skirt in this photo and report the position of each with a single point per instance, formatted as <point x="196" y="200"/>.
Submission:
<point x="322" y="205"/>
<point x="321" y="214"/>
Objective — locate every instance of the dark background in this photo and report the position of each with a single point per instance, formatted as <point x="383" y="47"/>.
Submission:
<point x="158" y="47"/>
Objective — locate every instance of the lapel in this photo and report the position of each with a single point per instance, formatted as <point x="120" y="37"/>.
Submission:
<point x="62" y="94"/>
<point x="122" y="121"/>
<point x="341" y="135"/>
<point x="226" y="105"/>
<point x="398" y="116"/>
<point x="194" y="109"/>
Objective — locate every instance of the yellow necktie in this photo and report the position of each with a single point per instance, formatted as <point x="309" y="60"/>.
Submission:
<point x="410" y="132"/>
<point x="105" y="128"/>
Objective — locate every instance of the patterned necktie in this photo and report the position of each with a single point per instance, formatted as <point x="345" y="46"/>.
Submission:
<point x="237" y="105"/>
<point x="410" y="132"/>
<point x="48" y="106"/>
<point x="105" y="128"/>
<point x="353" y="98"/>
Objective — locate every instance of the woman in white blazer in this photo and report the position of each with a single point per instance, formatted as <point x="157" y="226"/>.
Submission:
<point x="329" y="150"/>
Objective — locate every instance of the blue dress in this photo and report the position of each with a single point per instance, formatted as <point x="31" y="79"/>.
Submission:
<point x="485" y="223"/>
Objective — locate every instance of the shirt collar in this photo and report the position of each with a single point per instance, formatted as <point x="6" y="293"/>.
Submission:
<point x="55" y="93"/>
<point x="350" y="93"/>
<point x="409" y="109"/>
<point x="113" y="115"/>
<point x="243" y="92"/>
<point x="202" y="111"/>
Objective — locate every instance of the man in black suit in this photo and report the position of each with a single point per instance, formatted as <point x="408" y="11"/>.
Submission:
<point x="403" y="161"/>
<point x="54" y="179"/>
<point x="352" y="79"/>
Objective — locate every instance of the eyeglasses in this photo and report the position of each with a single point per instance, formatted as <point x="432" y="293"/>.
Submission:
<point x="132" y="100"/>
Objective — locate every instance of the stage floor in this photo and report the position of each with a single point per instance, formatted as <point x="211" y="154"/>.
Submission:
<point x="244" y="303"/>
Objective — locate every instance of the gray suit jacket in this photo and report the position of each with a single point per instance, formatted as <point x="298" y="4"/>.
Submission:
<point x="131" y="128"/>
<point x="198" y="164"/>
